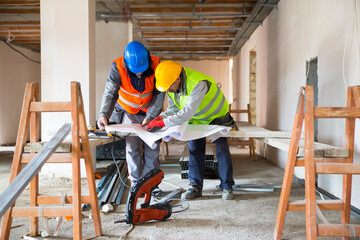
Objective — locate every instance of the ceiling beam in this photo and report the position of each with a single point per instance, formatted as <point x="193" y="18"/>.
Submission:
<point x="188" y="5"/>
<point x="133" y="2"/>
<point x="190" y="52"/>
<point x="15" y="2"/>
<point x="19" y="11"/>
<point x="259" y="13"/>
<point x="217" y="20"/>
<point x="188" y="24"/>
<point x="186" y="29"/>
<point x="187" y="38"/>
<point x="190" y="45"/>
<point x="20" y="23"/>
<point x="118" y="16"/>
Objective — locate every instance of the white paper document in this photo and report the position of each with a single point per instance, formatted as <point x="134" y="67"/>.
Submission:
<point x="182" y="132"/>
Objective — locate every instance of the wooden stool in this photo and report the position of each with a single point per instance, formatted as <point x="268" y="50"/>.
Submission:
<point x="307" y="112"/>
<point x="30" y="119"/>
<point x="246" y="142"/>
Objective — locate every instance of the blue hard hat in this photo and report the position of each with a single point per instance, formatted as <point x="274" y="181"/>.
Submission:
<point x="136" y="57"/>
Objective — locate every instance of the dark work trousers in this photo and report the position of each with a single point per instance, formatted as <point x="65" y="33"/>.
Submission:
<point x="138" y="165"/>
<point x="197" y="162"/>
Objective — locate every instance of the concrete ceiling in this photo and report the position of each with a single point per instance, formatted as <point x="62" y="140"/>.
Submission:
<point x="187" y="29"/>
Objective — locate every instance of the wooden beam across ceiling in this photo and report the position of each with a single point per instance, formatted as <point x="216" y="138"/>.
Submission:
<point x="188" y="29"/>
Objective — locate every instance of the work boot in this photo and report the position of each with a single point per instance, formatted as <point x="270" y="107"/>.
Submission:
<point x="191" y="193"/>
<point x="227" y="194"/>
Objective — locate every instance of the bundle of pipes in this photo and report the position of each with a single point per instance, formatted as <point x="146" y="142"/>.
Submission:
<point x="111" y="186"/>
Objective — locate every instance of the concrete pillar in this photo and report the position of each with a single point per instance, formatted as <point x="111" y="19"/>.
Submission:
<point x="67" y="54"/>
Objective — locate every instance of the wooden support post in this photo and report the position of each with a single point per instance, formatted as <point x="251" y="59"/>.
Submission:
<point x="310" y="208"/>
<point x="290" y="166"/>
<point x="314" y="166"/>
<point x="30" y="116"/>
<point x="34" y="184"/>
<point x="89" y="168"/>
<point x="20" y="142"/>
<point x="76" y="182"/>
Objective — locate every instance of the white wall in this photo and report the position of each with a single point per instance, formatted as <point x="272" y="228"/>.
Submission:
<point x="15" y="71"/>
<point x="219" y="70"/>
<point x="283" y="45"/>
<point x="111" y="41"/>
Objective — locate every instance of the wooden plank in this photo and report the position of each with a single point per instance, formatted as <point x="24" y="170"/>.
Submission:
<point x="337" y="230"/>
<point x="299" y="205"/>
<point x="301" y="162"/>
<point x="11" y="193"/>
<point x="34" y="184"/>
<point x="55" y="199"/>
<point x="50" y="107"/>
<point x="337" y="112"/>
<point x="310" y="206"/>
<point x="90" y="173"/>
<point x="65" y="147"/>
<point x="337" y="168"/>
<point x="246" y="129"/>
<point x="349" y="144"/>
<point x="76" y="182"/>
<point x="59" y="211"/>
<point x="55" y="158"/>
<point x="321" y="150"/>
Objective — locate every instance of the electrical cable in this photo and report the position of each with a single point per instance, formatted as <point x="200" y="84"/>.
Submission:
<point x="9" y="45"/>
<point x="308" y="31"/>
<point x="178" y="199"/>
<point x="113" y="157"/>
<point x="357" y="36"/>
<point x="344" y="54"/>
<point x="124" y="236"/>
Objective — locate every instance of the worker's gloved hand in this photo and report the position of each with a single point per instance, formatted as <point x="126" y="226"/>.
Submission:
<point x="145" y="122"/>
<point x="155" y="125"/>
<point x="102" y="122"/>
<point x="158" y="118"/>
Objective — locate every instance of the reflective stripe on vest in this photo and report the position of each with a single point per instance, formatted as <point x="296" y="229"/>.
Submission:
<point x="129" y="98"/>
<point x="214" y="103"/>
<point x="137" y="94"/>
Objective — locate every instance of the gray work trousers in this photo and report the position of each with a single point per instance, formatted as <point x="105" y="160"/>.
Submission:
<point x="139" y="166"/>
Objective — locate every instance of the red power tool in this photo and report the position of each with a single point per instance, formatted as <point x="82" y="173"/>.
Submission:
<point x="158" y="211"/>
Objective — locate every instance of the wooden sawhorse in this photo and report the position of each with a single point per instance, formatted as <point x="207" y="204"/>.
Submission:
<point x="306" y="112"/>
<point x="30" y="119"/>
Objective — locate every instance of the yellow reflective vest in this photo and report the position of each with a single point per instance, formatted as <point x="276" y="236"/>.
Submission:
<point x="213" y="105"/>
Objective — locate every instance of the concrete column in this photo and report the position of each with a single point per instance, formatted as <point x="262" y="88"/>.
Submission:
<point x="67" y="54"/>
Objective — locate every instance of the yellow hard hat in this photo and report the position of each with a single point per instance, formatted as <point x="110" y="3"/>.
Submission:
<point x="166" y="73"/>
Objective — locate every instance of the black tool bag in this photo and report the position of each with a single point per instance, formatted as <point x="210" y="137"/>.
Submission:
<point x="117" y="115"/>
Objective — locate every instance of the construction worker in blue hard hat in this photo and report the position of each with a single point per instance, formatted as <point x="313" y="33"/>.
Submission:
<point x="195" y="97"/>
<point x="130" y="96"/>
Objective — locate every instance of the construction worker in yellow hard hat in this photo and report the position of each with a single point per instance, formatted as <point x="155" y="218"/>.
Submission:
<point x="195" y="97"/>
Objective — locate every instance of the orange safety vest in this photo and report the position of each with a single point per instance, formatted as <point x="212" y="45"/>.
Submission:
<point x="129" y="98"/>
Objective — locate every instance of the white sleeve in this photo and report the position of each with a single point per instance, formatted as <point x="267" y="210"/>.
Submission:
<point x="191" y="107"/>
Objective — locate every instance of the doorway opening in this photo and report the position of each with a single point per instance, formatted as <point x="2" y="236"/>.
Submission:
<point x="252" y="85"/>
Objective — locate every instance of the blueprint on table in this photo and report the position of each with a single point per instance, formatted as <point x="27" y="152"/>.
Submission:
<point x="182" y="132"/>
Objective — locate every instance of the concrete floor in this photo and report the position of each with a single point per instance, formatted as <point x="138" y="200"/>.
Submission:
<point x="249" y="216"/>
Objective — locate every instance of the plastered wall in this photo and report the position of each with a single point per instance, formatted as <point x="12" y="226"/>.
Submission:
<point x="15" y="71"/>
<point x="111" y="41"/>
<point x="295" y="32"/>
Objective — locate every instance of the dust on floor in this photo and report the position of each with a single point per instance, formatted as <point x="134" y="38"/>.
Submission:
<point x="249" y="216"/>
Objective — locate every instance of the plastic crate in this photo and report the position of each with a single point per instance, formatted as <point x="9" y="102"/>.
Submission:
<point x="207" y="175"/>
